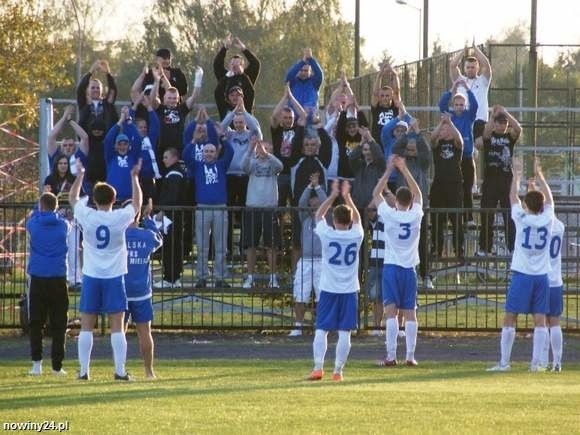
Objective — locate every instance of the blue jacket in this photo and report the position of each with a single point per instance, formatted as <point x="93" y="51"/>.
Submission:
<point x="305" y="91"/>
<point x="119" y="167"/>
<point x="463" y="122"/>
<point x="210" y="179"/>
<point x="48" y="244"/>
<point x="193" y="151"/>
<point x="387" y="139"/>
<point x="141" y="243"/>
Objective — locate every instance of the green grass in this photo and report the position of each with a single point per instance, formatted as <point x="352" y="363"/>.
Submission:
<point x="242" y="397"/>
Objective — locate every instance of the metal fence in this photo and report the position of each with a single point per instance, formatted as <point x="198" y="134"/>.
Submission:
<point x="469" y="291"/>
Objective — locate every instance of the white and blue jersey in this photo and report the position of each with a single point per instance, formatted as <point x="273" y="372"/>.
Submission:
<point x="141" y="243"/>
<point x="555" y="274"/>
<point x="339" y="271"/>
<point x="104" y="247"/>
<point x="532" y="244"/>
<point x="402" y="231"/>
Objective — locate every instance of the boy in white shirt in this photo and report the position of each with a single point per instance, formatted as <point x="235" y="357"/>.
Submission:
<point x="529" y="290"/>
<point x="402" y="222"/>
<point x="104" y="266"/>
<point x="337" y="308"/>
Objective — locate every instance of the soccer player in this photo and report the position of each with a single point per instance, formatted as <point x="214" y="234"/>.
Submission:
<point x="104" y="266"/>
<point x="529" y="290"/>
<point x="141" y="243"/>
<point x="402" y="227"/>
<point x="556" y="299"/>
<point x="337" y="305"/>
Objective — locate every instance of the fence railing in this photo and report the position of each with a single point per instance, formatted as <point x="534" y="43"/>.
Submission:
<point x="468" y="294"/>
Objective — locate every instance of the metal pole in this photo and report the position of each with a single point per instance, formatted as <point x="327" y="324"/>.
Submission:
<point x="43" y="131"/>
<point x="357" y="38"/>
<point x="533" y="73"/>
<point x="425" y="29"/>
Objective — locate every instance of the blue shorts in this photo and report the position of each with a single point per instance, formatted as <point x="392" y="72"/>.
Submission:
<point x="556" y="301"/>
<point x="374" y="283"/>
<point x="140" y="311"/>
<point x="337" y="311"/>
<point x="103" y="295"/>
<point x="400" y="286"/>
<point x="528" y="294"/>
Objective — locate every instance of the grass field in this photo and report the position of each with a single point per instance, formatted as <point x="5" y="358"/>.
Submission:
<point x="263" y="396"/>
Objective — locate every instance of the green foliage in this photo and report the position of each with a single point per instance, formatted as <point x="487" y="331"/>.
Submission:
<point x="31" y="56"/>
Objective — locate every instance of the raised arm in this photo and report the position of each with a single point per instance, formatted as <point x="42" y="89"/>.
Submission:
<point x="454" y="71"/>
<point x="112" y="90"/>
<point x="137" y="195"/>
<point x="514" y="124"/>
<point x="277" y="112"/>
<point x="75" y="189"/>
<point x="83" y="137"/>
<point x="296" y="106"/>
<point x="345" y="193"/>
<point x="382" y="183"/>
<point x="484" y="65"/>
<point x="137" y="86"/>
<point x="401" y="165"/>
<point x="542" y="184"/>
<point x="197" y="82"/>
<point x="516" y="171"/>
<point x="325" y="206"/>
<point x="56" y="129"/>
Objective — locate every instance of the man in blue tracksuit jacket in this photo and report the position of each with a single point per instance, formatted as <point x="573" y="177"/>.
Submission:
<point x="463" y="119"/>
<point x="305" y="78"/>
<point x="141" y="243"/>
<point x="393" y="130"/>
<point x="47" y="267"/>
<point x="211" y="215"/>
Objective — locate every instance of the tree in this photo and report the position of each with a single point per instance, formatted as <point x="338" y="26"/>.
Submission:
<point x="30" y="56"/>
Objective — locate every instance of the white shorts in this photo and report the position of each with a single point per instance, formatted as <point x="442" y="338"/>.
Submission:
<point x="307" y="277"/>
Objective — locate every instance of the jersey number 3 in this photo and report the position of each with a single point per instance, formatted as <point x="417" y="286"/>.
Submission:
<point x="349" y="254"/>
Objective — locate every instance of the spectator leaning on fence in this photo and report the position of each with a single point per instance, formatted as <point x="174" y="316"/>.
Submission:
<point x="260" y="217"/>
<point x="104" y="266"/>
<point x="499" y="140"/>
<point x="463" y="117"/>
<point x="446" y="189"/>
<point x="402" y="222"/>
<point x="307" y="275"/>
<point x="173" y="193"/>
<point x="141" y="243"/>
<point x="211" y="215"/>
<point x="529" y="288"/>
<point x="48" y="295"/>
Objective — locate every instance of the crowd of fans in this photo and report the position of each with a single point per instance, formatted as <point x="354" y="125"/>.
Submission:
<point x="235" y="176"/>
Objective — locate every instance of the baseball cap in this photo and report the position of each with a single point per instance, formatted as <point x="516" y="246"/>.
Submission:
<point x="122" y="138"/>
<point x="235" y="88"/>
<point x="402" y="124"/>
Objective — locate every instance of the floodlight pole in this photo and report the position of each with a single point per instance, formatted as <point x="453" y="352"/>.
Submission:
<point x="533" y="72"/>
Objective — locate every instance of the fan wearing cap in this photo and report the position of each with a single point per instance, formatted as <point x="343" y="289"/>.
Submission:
<point x="463" y="116"/>
<point x="121" y="155"/>
<point x="446" y="189"/>
<point x="93" y="103"/>
<point x="237" y="75"/>
<point x="391" y="132"/>
<point x="499" y="139"/>
<point x="348" y="135"/>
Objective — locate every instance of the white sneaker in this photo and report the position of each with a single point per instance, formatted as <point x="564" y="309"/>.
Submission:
<point x="295" y="333"/>
<point x="481" y="253"/>
<point x="248" y="282"/>
<point x="36" y="370"/>
<point x="471" y="224"/>
<point x="499" y="368"/>
<point x="60" y="372"/>
<point x="457" y="279"/>
<point x="538" y="368"/>
<point x="273" y="281"/>
<point x="377" y="333"/>
<point x="401" y="334"/>
<point x="428" y="283"/>
<point x="163" y="284"/>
